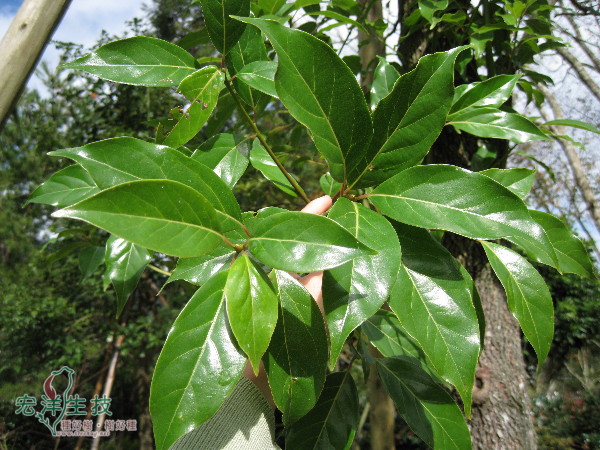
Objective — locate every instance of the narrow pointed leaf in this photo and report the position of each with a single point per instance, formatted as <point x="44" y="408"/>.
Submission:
<point x="165" y="216"/>
<point x="200" y="269"/>
<point x="296" y="360"/>
<point x="354" y="291"/>
<point x="570" y="251"/>
<point x="301" y="242"/>
<point x="262" y="161"/>
<point x="493" y="92"/>
<point x="518" y="181"/>
<point x="125" y="263"/>
<point x="260" y="75"/>
<point x="409" y="120"/>
<point x="527" y="295"/>
<point x="202" y="89"/>
<point x="223" y="30"/>
<point x="251" y="306"/>
<point x="384" y="78"/>
<point x="227" y="155"/>
<point x="573" y="123"/>
<point x="330" y="103"/>
<point x="433" y="301"/>
<point x="489" y="122"/>
<point x="453" y="199"/>
<point x="198" y="366"/>
<point x="66" y="187"/>
<point x="139" y="60"/>
<point x="331" y="424"/>
<point x="250" y="49"/>
<point x="90" y="259"/>
<point x="425" y="406"/>
<point x="119" y="160"/>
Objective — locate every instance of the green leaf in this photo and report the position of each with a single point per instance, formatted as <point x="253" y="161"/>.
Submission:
<point x="573" y="123"/>
<point x="226" y="155"/>
<point x="331" y="424"/>
<point x="125" y="263"/>
<point x="261" y="161"/>
<point x="65" y="187"/>
<point x="384" y="78"/>
<point x="165" y="216"/>
<point x="329" y="185"/>
<point x="260" y="75"/>
<point x="90" y="259"/>
<point x="453" y="199"/>
<point x="250" y="49"/>
<point x="411" y="117"/>
<point x="296" y="360"/>
<point x="354" y="291"/>
<point x="251" y="306"/>
<point x="518" y="181"/>
<point x="198" y="366"/>
<point x="119" y="160"/>
<point x="425" y="406"/>
<point x="489" y="122"/>
<point x="200" y="269"/>
<point x="302" y="242"/>
<point x="224" y="31"/>
<point x="429" y="7"/>
<point x="570" y="251"/>
<point x="339" y="18"/>
<point x="527" y="295"/>
<point x="493" y="92"/>
<point x="140" y="60"/>
<point x="432" y="298"/>
<point x="321" y="92"/>
<point x="202" y="89"/>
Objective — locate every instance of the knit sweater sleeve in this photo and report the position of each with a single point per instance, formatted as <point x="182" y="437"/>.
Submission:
<point x="244" y="421"/>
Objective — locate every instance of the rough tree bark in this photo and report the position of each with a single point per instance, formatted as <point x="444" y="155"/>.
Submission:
<point x="22" y="46"/>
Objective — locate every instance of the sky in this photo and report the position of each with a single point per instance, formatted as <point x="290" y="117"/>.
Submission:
<point x="82" y="23"/>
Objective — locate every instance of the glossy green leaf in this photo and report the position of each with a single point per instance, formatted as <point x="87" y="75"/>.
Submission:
<point x="302" y="242"/>
<point x="453" y="199"/>
<point x="140" y="60"/>
<point x="200" y="269"/>
<point x="202" y="89"/>
<point x="224" y="31"/>
<point x="384" y="78"/>
<point x="198" y="366"/>
<point x="250" y="49"/>
<point x="65" y="187"/>
<point x="321" y="92"/>
<point x="119" y="160"/>
<point x="573" y="123"/>
<point x="296" y="360"/>
<point x="429" y="7"/>
<point x="90" y="259"/>
<point x="251" y="306"/>
<point x="493" y="92"/>
<point x="227" y="155"/>
<point x="260" y="75"/>
<point x="354" y="291"/>
<point x="331" y="424"/>
<point x="165" y="216"/>
<point x="494" y="123"/>
<point x="433" y="301"/>
<point x="570" y="251"/>
<point x="518" y="181"/>
<point x="527" y="295"/>
<point x="329" y="185"/>
<point x="425" y="406"/>
<point x="261" y="161"/>
<point x="125" y="263"/>
<point x="340" y="20"/>
<point x="409" y="120"/>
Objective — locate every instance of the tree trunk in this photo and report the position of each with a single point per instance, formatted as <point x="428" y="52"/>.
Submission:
<point x="143" y="394"/>
<point x="22" y="46"/>
<point x="381" y="415"/>
<point x="374" y="45"/>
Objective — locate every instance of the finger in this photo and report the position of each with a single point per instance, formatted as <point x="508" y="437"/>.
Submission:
<point x="313" y="282"/>
<point x="318" y="205"/>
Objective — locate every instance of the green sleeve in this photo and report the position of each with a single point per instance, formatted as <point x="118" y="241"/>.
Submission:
<point x="244" y="421"/>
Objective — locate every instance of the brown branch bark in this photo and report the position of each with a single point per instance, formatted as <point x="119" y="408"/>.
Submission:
<point x="581" y="42"/>
<point x="580" y="70"/>
<point x="22" y="46"/>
